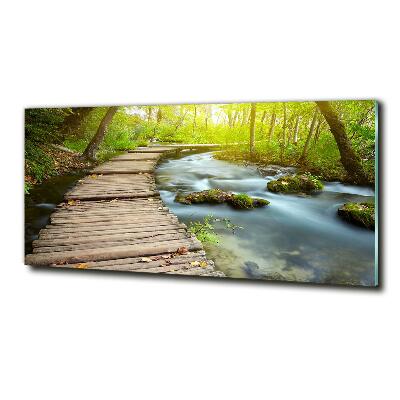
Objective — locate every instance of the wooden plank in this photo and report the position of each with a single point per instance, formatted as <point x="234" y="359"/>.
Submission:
<point x="96" y="196"/>
<point x="158" y="239"/>
<point x="137" y="262"/>
<point x="93" y="227"/>
<point x="77" y="256"/>
<point x="104" y="238"/>
<point x="137" y="157"/>
<point x="47" y="234"/>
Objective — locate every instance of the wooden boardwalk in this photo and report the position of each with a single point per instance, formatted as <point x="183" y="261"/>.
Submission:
<point x="114" y="219"/>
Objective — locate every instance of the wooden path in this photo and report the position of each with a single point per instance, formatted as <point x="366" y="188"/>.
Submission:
<point x="114" y="219"/>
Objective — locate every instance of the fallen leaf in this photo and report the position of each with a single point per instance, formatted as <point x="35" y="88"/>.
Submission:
<point x="81" y="266"/>
<point x="93" y="176"/>
<point x="194" y="263"/>
<point x="182" y="250"/>
<point x="203" y="264"/>
<point x="71" y="202"/>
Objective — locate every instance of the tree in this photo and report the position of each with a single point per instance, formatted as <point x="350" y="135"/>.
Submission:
<point x="348" y="157"/>
<point x="272" y="125"/>
<point x="310" y="133"/>
<point x="94" y="144"/>
<point x="252" y="127"/>
<point x="296" y="130"/>
<point x="73" y="121"/>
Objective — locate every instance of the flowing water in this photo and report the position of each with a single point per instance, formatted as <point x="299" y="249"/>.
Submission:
<point x="296" y="238"/>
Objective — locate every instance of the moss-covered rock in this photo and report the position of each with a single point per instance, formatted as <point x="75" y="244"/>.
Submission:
<point x="218" y="196"/>
<point x="301" y="183"/>
<point x="213" y="196"/>
<point x="361" y="214"/>
<point x="245" y="201"/>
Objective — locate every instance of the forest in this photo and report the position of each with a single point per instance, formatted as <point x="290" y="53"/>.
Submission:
<point x="333" y="140"/>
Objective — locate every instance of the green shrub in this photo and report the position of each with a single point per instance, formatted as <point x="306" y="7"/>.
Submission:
<point x="38" y="164"/>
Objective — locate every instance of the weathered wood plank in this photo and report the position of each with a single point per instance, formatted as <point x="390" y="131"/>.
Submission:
<point x="106" y="238"/>
<point x="48" y="234"/>
<point x="114" y="219"/>
<point x="134" y="250"/>
<point x="158" y="239"/>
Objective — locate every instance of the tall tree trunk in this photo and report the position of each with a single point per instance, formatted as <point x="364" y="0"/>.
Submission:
<point x="149" y="111"/>
<point x="309" y="136"/>
<point x="296" y="130"/>
<point x="92" y="147"/>
<point x="230" y="119"/>
<point x="159" y="115"/>
<point x="318" y="129"/>
<point x="180" y="121"/>
<point x="244" y="116"/>
<point x="262" y="121"/>
<point x="272" y="126"/>
<point x="283" y="136"/>
<point x="252" y="128"/>
<point x="350" y="160"/>
<point x="73" y="121"/>
<point x="289" y="130"/>
<point x="194" y="119"/>
<point x="235" y="116"/>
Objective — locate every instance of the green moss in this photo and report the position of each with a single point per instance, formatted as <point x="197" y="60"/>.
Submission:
<point x="241" y="201"/>
<point x="361" y="214"/>
<point x="213" y="196"/>
<point x="302" y="183"/>
<point x="218" y="196"/>
<point x="244" y="201"/>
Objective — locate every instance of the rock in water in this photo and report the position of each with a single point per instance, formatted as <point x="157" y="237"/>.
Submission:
<point x="218" y="196"/>
<point x="252" y="270"/>
<point x="302" y="183"/>
<point x="361" y="214"/>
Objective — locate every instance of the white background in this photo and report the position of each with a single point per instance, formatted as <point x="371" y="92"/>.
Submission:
<point x="83" y="335"/>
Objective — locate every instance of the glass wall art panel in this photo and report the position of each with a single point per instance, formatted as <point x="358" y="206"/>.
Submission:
<point x="282" y="191"/>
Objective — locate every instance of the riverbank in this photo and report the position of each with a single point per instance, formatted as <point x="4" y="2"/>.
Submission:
<point x="330" y="172"/>
<point x="43" y="162"/>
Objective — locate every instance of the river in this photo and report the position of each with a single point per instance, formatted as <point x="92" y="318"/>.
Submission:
<point x="296" y="238"/>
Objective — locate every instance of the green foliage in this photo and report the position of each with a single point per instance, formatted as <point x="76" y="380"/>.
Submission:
<point x="27" y="187"/>
<point x="281" y="132"/>
<point x="204" y="231"/>
<point x="121" y="134"/>
<point x="42" y="125"/>
<point x="38" y="164"/>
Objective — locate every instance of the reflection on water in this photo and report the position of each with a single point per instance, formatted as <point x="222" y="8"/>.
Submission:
<point x="296" y="238"/>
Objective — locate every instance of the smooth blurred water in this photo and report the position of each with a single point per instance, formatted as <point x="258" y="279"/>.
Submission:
<point x="297" y="238"/>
